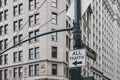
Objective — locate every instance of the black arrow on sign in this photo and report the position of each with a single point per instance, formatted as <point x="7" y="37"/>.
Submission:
<point x="75" y="63"/>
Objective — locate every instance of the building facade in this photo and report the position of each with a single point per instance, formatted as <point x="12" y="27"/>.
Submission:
<point x="46" y="57"/>
<point x="42" y="58"/>
<point x="105" y="32"/>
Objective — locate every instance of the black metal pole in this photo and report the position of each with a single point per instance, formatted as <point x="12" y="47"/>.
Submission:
<point x="75" y="73"/>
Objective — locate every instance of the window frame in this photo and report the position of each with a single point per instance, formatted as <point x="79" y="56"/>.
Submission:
<point x="31" y="4"/>
<point x="36" y="34"/>
<point x="54" y="18"/>
<point x="15" y="10"/>
<point x="6" y="74"/>
<point x="37" y="52"/>
<point x="31" y="34"/>
<point x="31" y="54"/>
<point x="6" y="59"/>
<point x="15" y="57"/>
<point x="54" y="3"/>
<point x="54" y="36"/>
<point x="37" y="72"/>
<point x="20" y="56"/>
<point x="15" y="25"/>
<point x="15" y="72"/>
<point x="20" y="72"/>
<point x="54" y="52"/>
<point x="20" y="8"/>
<point x="20" y="24"/>
<point x="54" y="70"/>
<point x="31" y="70"/>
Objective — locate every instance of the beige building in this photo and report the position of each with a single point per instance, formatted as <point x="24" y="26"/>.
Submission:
<point x="43" y="58"/>
<point x="46" y="57"/>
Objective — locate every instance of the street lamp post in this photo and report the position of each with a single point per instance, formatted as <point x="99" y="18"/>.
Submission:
<point x="75" y="73"/>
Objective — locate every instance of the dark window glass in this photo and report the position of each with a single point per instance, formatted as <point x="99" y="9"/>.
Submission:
<point x="31" y="54"/>
<point x="54" y="18"/>
<point x="20" y="72"/>
<point x="15" y="72"/>
<point x="37" y="52"/>
<point x="37" y="69"/>
<point x="31" y="70"/>
<point x="6" y="59"/>
<point x="54" y="52"/>
<point x="54" y="69"/>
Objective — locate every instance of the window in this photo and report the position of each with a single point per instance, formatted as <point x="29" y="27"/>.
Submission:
<point x="31" y="34"/>
<point x="33" y="4"/>
<point x="1" y="16"/>
<point x="6" y="29"/>
<point x="54" y="18"/>
<point x="67" y="41"/>
<point x="15" y="73"/>
<point x="54" y="69"/>
<point x="6" y="59"/>
<point x="15" y="57"/>
<point x="31" y="54"/>
<point x="34" y="70"/>
<point x="20" y="23"/>
<point x="1" y="30"/>
<point x="54" y="52"/>
<point x="20" y="8"/>
<point x="20" y="38"/>
<point x="5" y="2"/>
<point x="67" y="56"/>
<point x="36" y="34"/>
<point x="15" y="26"/>
<point x="1" y="59"/>
<point x="31" y="20"/>
<point x="34" y="19"/>
<point x="1" y="75"/>
<point x="6" y="14"/>
<point x="15" y="40"/>
<point x="37" y="52"/>
<point x="37" y="20"/>
<point x="54" y="3"/>
<point x="34" y="53"/>
<point x="37" y="69"/>
<point x="31" y="70"/>
<point x="67" y="8"/>
<point x="6" y="44"/>
<point x="15" y="11"/>
<point x="20" y="71"/>
<point x="37" y="3"/>
<point x="6" y="74"/>
<point x="54" y="36"/>
<point x="1" y="45"/>
<point x="20" y="56"/>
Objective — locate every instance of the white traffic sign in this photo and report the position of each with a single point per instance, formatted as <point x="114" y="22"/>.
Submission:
<point x="77" y="58"/>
